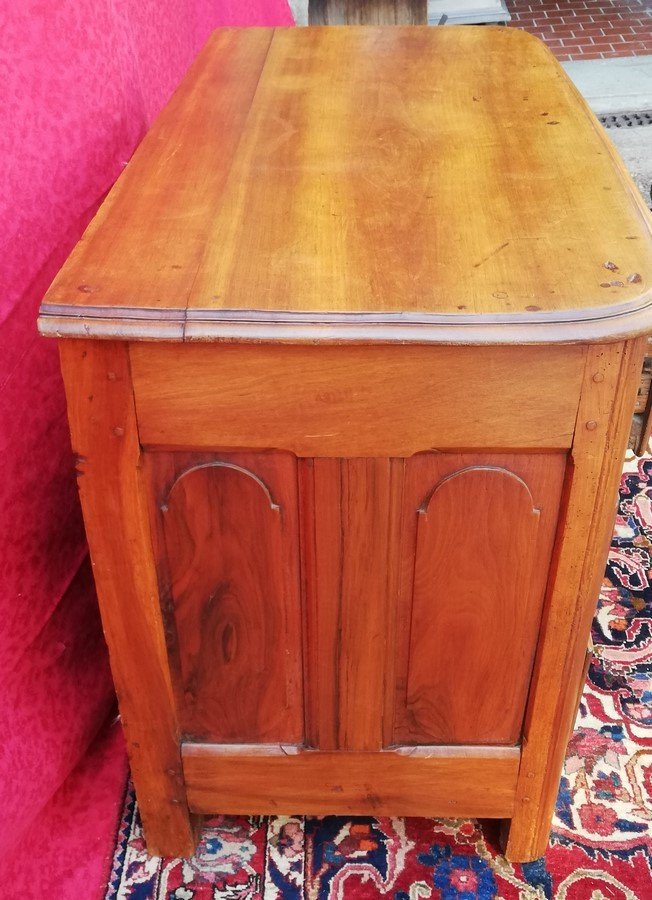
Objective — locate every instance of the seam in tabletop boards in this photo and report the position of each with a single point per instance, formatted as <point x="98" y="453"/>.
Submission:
<point x="233" y="156"/>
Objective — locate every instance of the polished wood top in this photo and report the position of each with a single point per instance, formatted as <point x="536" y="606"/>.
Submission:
<point x="371" y="184"/>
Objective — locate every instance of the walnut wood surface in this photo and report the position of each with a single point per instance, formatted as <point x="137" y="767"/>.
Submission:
<point x="356" y="401"/>
<point x="143" y="247"/>
<point x="279" y="574"/>
<point x="368" y="12"/>
<point x="446" y="781"/>
<point x="361" y="183"/>
<point x="477" y="535"/>
<point x="114" y="501"/>
<point x="231" y="541"/>
<point x="349" y="524"/>
<point x="363" y="567"/>
<point x="586" y="526"/>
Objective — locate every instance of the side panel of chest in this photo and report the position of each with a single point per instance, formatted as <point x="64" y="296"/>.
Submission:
<point x="353" y="547"/>
<point x="353" y="604"/>
<point x="477" y="532"/>
<point x="228" y="560"/>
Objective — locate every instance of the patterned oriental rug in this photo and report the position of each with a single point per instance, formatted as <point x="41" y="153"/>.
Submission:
<point x="601" y="844"/>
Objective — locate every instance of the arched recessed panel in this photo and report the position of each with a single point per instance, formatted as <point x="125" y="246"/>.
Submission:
<point x="472" y="595"/>
<point x="231" y="543"/>
<point x="220" y="464"/>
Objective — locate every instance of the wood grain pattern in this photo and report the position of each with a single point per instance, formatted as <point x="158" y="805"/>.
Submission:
<point x="642" y="440"/>
<point x="375" y="192"/>
<point x="586" y="524"/>
<point x="368" y="12"/>
<point x="449" y="174"/>
<point x="231" y="536"/>
<point x="356" y="401"/>
<point x="349" y="511"/>
<point x="352" y="123"/>
<point x="113" y="496"/>
<point x="477" y="537"/>
<point x="144" y="245"/>
<point x="446" y="782"/>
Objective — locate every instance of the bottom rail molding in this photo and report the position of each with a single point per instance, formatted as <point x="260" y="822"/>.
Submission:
<point x="276" y="779"/>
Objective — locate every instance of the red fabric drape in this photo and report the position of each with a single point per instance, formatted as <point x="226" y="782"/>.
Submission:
<point x="80" y="83"/>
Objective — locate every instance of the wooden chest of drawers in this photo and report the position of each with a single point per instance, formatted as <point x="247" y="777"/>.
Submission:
<point x="351" y="353"/>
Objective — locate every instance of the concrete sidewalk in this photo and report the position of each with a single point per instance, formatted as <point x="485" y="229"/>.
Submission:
<point x="615" y="85"/>
<point x="620" y="85"/>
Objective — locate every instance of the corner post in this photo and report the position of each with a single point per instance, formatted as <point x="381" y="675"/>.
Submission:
<point x="104" y="433"/>
<point x="584" y="532"/>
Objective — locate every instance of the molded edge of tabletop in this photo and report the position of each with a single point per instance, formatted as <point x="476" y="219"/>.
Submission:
<point x="615" y="323"/>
